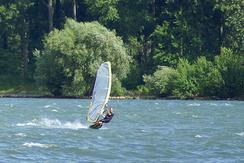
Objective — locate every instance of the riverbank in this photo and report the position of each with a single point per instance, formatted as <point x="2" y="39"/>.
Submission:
<point x="29" y="90"/>
<point x="26" y="95"/>
<point x="32" y="91"/>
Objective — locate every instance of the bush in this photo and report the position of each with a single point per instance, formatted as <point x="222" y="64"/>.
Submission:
<point x="70" y="58"/>
<point x="185" y="84"/>
<point x="141" y="90"/>
<point x="231" y="67"/>
<point x="117" y="89"/>
<point x="161" y="82"/>
<point x="208" y="78"/>
<point x="198" y="79"/>
<point x="10" y="63"/>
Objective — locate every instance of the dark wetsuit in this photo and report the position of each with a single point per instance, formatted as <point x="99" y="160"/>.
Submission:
<point x="106" y="119"/>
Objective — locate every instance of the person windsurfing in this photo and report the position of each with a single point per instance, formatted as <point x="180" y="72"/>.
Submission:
<point x="108" y="117"/>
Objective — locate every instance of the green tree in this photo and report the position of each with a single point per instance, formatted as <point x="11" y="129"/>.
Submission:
<point x="201" y="78"/>
<point x="15" y="26"/>
<point x="182" y="32"/>
<point x="231" y="67"/>
<point x="71" y="56"/>
<point x="161" y="82"/>
<point x="185" y="83"/>
<point x="208" y="78"/>
<point x="230" y="23"/>
<point x="105" y="11"/>
<point x="136" y="23"/>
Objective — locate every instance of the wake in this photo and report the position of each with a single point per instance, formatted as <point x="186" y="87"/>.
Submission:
<point x="53" y="123"/>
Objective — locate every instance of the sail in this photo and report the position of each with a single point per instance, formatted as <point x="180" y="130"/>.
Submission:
<point x="101" y="92"/>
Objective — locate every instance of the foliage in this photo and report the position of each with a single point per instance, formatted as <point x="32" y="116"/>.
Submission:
<point x="104" y="11"/>
<point x="185" y="82"/>
<point x="199" y="79"/>
<point x="141" y="90"/>
<point x="134" y="77"/>
<point x="71" y="56"/>
<point x="154" y="33"/>
<point x="231" y="67"/>
<point x="223" y="78"/>
<point x="161" y="82"/>
<point x="6" y="57"/>
<point x="166" y="50"/>
<point x="232" y="17"/>
<point x="208" y="78"/>
<point x="117" y="89"/>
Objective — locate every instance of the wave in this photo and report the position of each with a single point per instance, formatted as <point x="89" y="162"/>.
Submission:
<point x="194" y="104"/>
<point x="54" y="106"/>
<point x="47" y="106"/>
<point x="8" y="105"/>
<point x="53" y="123"/>
<point x="198" y="136"/>
<point x="31" y="144"/>
<point x="195" y="116"/>
<point x="26" y="124"/>
<point x="240" y="134"/>
<point x="213" y="104"/>
<point x="177" y="112"/>
<point x="21" y="134"/>
<point x="228" y="104"/>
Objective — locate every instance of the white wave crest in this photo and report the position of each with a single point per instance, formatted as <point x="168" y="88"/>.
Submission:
<point x="47" y="106"/>
<point x="177" y="112"/>
<point x="228" y="104"/>
<point x="194" y="104"/>
<point x="53" y="123"/>
<point x="213" y="104"/>
<point x="198" y="136"/>
<point x="26" y="124"/>
<point x="80" y="106"/>
<point x="31" y="144"/>
<point x="21" y="134"/>
<point x="240" y="134"/>
<point x="194" y="116"/>
<point x="54" y="107"/>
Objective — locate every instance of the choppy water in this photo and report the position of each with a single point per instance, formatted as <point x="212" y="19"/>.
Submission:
<point x="54" y="130"/>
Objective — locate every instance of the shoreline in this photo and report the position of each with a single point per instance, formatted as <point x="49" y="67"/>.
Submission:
<point x="119" y="97"/>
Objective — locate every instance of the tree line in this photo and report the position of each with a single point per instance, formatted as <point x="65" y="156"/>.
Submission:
<point x="157" y="47"/>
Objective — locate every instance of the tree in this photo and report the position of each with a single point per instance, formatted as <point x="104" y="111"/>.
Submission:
<point x="50" y="9"/>
<point x="136" y="22"/>
<point x="74" y="9"/>
<point x="208" y="77"/>
<point x="161" y="82"/>
<point x="58" y="16"/>
<point x="231" y="18"/>
<point x="231" y="67"/>
<point x="15" y="27"/>
<point x="69" y="61"/>
<point x="105" y="11"/>
<point x="185" y="83"/>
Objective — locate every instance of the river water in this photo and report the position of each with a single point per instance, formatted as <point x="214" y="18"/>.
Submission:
<point x="55" y="130"/>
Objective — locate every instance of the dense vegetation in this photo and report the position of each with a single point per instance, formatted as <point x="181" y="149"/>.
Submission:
<point x="179" y="48"/>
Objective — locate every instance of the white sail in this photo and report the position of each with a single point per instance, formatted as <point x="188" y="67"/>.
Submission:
<point x="101" y="92"/>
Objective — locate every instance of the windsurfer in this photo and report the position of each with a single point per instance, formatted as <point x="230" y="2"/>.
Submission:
<point x="106" y="119"/>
